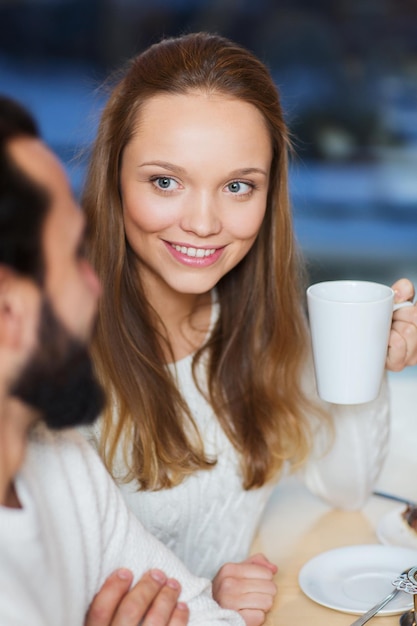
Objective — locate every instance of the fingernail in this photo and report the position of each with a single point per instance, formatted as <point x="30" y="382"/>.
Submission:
<point x="158" y="576"/>
<point x="174" y="584"/>
<point x="124" y="574"/>
<point x="182" y="606"/>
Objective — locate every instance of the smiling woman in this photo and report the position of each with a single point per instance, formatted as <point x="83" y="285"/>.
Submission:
<point x="196" y="198"/>
<point x="202" y="342"/>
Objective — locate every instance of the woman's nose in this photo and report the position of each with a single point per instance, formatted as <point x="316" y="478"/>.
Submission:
<point x="200" y="216"/>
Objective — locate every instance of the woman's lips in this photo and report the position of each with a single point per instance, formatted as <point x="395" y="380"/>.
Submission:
<point x="194" y="256"/>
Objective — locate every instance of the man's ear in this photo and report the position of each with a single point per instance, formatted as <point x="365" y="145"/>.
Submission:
<point x="12" y="309"/>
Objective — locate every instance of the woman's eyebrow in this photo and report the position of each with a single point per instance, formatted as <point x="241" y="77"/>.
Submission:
<point x="164" y="165"/>
<point x="244" y="171"/>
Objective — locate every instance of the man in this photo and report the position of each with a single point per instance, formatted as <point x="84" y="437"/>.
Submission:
<point x="64" y="528"/>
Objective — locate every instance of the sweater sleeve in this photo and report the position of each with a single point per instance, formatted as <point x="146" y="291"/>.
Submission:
<point x="126" y="543"/>
<point x="343" y="470"/>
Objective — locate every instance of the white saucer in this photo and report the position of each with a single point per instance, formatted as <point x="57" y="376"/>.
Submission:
<point x="393" y="530"/>
<point x="354" y="578"/>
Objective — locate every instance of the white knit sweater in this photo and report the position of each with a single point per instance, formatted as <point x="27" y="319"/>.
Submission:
<point x="72" y="532"/>
<point x="210" y="519"/>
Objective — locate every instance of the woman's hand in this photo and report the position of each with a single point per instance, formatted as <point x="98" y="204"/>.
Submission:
<point x="247" y="587"/>
<point x="402" y="345"/>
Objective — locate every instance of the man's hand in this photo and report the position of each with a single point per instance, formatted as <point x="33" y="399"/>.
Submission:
<point x="247" y="587"/>
<point x="153" y="600"/>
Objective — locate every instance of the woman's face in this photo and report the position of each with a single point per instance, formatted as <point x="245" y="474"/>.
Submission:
<point x="194" y="183"/>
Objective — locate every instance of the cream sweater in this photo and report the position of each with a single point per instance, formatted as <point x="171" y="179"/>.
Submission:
<point x="210" y="519"/>
<point x="72" y="532"/>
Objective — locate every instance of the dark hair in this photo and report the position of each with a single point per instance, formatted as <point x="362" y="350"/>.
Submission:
<point x="23" y="203"/>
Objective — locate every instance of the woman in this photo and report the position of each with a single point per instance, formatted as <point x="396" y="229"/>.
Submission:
<point x="202" y="343"/>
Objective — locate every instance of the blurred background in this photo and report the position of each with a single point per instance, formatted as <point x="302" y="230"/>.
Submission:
<point x="347" y="74"/>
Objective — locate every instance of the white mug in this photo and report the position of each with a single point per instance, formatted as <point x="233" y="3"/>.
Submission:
<point x="350" y="322"/>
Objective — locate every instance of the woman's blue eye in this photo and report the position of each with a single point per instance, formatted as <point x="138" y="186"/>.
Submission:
<point x="163" y="182"/>
<point x="238" y="187"/>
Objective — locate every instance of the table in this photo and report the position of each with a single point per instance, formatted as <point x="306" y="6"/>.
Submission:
<point x="297" y="526"/>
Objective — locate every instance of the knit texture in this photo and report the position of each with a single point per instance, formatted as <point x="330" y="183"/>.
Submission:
<point x="84" y="531"/>
<point x="210" y="519"/>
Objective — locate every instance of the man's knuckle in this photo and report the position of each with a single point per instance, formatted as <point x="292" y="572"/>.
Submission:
<point x="98" y="613"/>
<point x="131" y="608"/>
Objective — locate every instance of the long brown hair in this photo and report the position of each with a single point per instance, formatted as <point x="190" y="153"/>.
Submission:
<point x="257" y="350"/>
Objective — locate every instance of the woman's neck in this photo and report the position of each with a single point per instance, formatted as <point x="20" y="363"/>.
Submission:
<point x="185" y="321"/>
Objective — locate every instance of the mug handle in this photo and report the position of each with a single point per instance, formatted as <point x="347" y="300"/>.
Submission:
<point x="401" y="305"/>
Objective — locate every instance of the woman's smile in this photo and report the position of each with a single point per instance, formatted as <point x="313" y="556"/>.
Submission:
<point x="191" y="255"/>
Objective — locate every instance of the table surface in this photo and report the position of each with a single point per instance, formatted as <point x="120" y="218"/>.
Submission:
<point x="297" y="526"/>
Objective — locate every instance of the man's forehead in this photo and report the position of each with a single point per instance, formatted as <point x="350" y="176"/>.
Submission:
<point x="34" y="158"/>
<point x="41" y="165"/>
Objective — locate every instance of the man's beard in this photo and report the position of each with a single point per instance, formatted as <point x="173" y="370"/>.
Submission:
<point x="58" y="379"/>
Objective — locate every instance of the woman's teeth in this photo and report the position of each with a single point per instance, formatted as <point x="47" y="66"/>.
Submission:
<point x="198" y="252"/>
